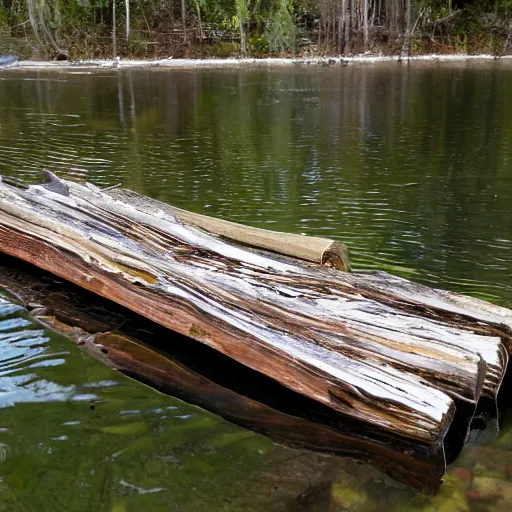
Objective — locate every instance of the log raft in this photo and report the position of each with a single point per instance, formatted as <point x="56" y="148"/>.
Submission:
<point x="402" y="364"/>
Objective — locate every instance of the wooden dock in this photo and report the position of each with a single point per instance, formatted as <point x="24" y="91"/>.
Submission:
<point x="402" y="359"/>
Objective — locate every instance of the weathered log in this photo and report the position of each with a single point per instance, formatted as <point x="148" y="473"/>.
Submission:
<point x="191" y="371"/>
<point x="490" y="387"/>
<point x="475" y="312"/>
<point x="337" y="256"/>
<point x="321" y="251"/>
<point x="310" y="329"/>
<point x="460" y="311"/>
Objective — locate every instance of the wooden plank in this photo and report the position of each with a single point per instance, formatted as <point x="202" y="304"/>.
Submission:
<point x="303" y="327"/>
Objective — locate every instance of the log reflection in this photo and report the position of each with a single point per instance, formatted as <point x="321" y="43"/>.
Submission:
<point x="200" y="375"/>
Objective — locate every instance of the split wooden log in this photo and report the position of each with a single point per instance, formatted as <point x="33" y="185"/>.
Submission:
<point x="460" y="311"/>
<point x="321" y="251"/>
<point x="325" y="251"/>
<point x="308" y="328"/>
<point x="495" y="359"/>
<point x="465" y="309"/>
<point x="191" y="371"/>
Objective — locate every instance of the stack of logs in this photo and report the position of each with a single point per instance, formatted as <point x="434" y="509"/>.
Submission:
<point x="401" y="361"/>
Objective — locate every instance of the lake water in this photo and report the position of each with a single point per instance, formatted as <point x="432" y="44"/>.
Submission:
<point x="411" y="166"/>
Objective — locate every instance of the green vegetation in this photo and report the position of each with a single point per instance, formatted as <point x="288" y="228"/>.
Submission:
<point x="204" y="28"/>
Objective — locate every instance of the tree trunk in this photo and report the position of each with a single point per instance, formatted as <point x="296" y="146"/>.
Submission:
<point x="45" y="21"/>
<point x="127" y="3"/>
<point x="365" y="23"/>
<point x="348" y="22"/>
<point x="114" y="29"/>
<point x="184" y="20"/>
<point x="243" y="43"/>
<point x="340" y="35"/>
<point x="385" y="361"/>
<point x="408" y="27"/>
<point x="199" y="21"/>
<point x="406" y="46"/>
<point x="343" y="26"/>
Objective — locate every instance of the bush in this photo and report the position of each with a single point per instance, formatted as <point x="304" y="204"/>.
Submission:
<point x="258" y="46"/>
<point x="281" y="31"/>
<point x="221" y="50"/>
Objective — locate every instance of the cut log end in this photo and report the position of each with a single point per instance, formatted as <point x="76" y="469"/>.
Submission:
<point x="336" y="256"/>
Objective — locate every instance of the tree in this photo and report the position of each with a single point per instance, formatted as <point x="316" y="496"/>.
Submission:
<point x="365" y="23"/>
<point x="198" y="4"/>
<point x="350" y="25"/>
<point x="114" y="34"/>
<point x="281" y="30"/>
<point x="127" y="4"/>
<point x="242" y="13"/>
<point x="184" y="19"/>
<point x="45" y="19"/>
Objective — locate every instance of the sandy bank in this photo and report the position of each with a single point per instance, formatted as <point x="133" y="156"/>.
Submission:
<point x="207" y="63"/>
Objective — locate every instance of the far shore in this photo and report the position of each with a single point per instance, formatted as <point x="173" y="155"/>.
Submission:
<point x="233" y="62"/>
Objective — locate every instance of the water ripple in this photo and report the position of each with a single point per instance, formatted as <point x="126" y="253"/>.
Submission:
<point x="356" y="156"/>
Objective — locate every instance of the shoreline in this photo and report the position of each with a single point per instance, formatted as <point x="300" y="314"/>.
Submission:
<point x="172" y="63"/>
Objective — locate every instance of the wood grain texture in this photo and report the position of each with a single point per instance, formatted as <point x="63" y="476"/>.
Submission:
<point x="191" y="371"/>
<point x="322" y="251"/>
<point x="312" y="329"/>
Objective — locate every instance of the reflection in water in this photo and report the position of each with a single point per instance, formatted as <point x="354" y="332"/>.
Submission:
<point x="410" y="166"/>
<point x="23" y="349"/>
<point x="73" y="429"/>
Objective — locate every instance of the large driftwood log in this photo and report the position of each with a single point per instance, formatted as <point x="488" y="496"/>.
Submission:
<point x="448" y="307"/>
<point x="193" y="372"/>
<point x="367" y="357"/>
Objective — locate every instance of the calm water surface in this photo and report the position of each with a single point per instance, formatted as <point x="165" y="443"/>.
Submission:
<point x="410" y="166"/>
